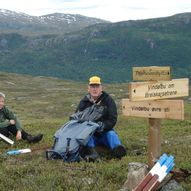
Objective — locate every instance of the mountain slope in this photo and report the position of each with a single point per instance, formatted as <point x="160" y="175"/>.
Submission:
<point x="57" y="23"/>
<point x="106" y="49"/>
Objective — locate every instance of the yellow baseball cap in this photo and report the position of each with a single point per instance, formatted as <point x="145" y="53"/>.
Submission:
<point x="95" y="80"/>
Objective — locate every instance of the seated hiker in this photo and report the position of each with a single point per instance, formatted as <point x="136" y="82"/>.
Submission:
<point x="105" y="134"/>
<point x="9" y="124"/>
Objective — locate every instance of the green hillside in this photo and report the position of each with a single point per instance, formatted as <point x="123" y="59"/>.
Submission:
<point x="109" y="50"/>
<point x="43" y="104"/>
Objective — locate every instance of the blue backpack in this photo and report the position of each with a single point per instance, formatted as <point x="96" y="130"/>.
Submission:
<point x="75" y="134"/>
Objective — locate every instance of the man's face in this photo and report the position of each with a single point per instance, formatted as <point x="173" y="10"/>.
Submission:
<point x="95" y="90"/>
<point x="2" y="102"/>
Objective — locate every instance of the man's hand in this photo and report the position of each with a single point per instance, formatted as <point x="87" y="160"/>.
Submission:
<point x="19" y="135"/>
<point x="100" y="130"/>
<point x="12" y="122"/>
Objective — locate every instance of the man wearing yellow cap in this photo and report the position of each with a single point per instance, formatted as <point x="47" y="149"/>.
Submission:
<point x="105" y="135"/>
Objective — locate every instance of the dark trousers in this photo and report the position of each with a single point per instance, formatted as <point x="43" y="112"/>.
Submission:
<point x="13" y="130"/>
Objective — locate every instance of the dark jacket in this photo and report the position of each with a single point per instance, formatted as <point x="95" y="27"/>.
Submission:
<point x="109" y="117"/>
<point x="5" y="116"/>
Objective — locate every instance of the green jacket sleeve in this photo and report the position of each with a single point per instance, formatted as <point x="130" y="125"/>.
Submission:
<point x="4" y="124"/>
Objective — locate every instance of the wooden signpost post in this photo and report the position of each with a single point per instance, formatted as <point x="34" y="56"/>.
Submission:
<point x="147" y="99"/>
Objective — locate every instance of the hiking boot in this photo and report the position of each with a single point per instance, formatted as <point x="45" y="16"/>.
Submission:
<point x="34" y="139"/>
<point x="119" y="151"/>
<point x="92" y="156"/>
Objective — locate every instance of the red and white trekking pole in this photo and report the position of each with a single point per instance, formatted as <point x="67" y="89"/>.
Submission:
<point x="151" y="173"/>
<point x="157" y="178"/>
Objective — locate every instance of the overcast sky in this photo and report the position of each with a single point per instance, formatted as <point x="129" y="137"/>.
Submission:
<point x="111" y="10"/>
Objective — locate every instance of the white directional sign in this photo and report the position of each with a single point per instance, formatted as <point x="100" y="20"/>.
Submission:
<point x="151" y="73"/>
<point x="167" y="109"/>
<point x="139" y="91"/>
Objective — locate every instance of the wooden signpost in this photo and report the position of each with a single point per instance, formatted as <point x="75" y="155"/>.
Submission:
<point x="166" y="109"/>
<point x="158" y="90"/>
<point x="151" y="73"/>
<point x="147" y="100"/>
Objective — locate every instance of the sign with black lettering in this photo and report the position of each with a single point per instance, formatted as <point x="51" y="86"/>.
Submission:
<point x="139" y="91"/>
<point x="151" y="73"/>
<point x="167" y="109"/>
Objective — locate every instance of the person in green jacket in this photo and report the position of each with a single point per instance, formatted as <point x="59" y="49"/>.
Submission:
<point x="9" y="124"/>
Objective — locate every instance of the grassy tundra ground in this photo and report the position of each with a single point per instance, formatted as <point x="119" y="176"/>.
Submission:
<point x="43" y="105"/>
